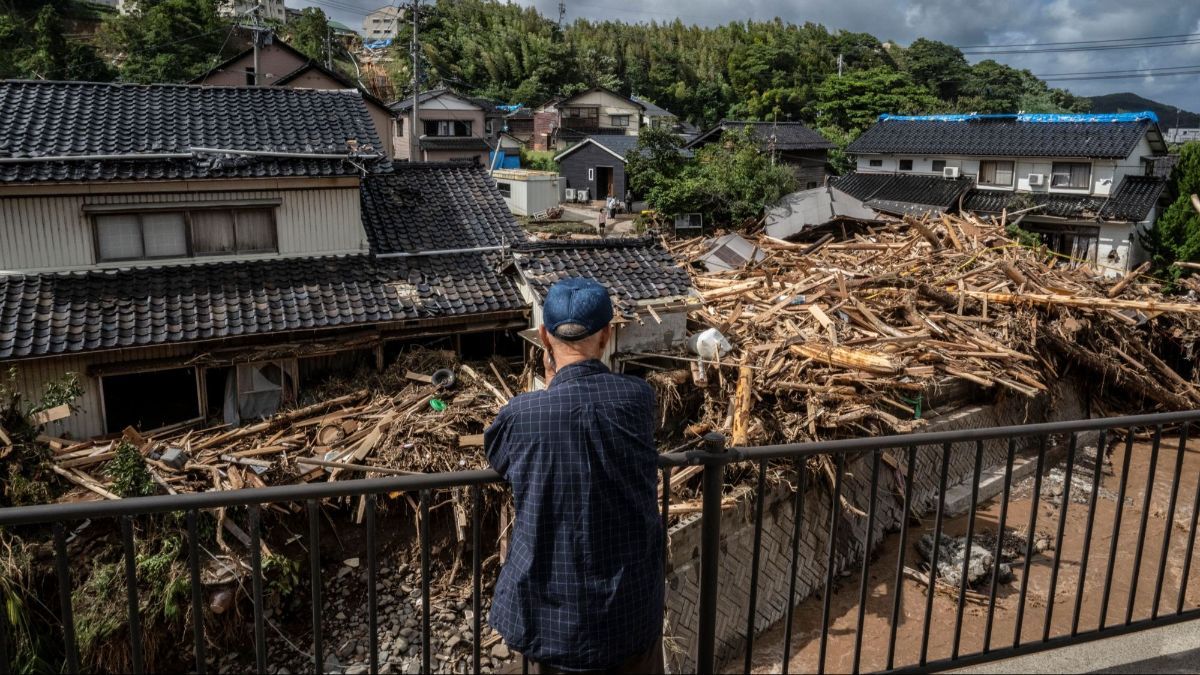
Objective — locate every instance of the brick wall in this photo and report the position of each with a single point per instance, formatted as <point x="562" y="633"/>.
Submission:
<point x="737" y="527"/>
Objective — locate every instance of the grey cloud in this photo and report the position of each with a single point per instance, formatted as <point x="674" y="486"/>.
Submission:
<point x="960" y="22"/>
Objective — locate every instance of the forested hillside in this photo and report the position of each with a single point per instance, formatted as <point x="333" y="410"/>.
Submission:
<point x="751" y="70"/>
<point x="1130" y="102"/>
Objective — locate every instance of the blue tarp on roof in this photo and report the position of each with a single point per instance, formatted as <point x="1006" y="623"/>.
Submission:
<point x="1029" y="117"/>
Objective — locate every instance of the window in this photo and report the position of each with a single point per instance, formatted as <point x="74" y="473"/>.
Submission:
<point x="939" y="165"/>
<point x="399" y="127"/>
<point x="505" y="189"/>
<point x="1072" y="175"/>
<point x="876" y="163"/>
<point x="996" y="173"/>
<point x="591" y="174"/>
<point x="180" y="234"/>
<point x="620" y="120"/>
<point x="250" y="78"/>
<point x="586" y="113"/>
<point x="906" y="165"/>
<point x="489" y="127"/>
<point x="447" y="128"/>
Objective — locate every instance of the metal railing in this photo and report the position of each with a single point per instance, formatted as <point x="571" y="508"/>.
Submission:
<point x="715" y="457"/>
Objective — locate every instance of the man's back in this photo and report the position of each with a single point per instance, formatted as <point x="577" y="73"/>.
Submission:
<point x="582" y="588"/>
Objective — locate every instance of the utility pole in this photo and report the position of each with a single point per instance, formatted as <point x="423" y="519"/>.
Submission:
<point x="841" y="62"/>
<point x="414" y="137"/>
<point x="562" y="13"/>
<point x="258" y="30"/>
<point x="328" y="47"/>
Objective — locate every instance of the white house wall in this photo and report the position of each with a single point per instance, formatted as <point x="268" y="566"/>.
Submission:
<point x="609" y="105"/>
<point x="53" y="233"/>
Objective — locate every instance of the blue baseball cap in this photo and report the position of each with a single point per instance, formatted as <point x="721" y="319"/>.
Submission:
<point x="575" y="308"/>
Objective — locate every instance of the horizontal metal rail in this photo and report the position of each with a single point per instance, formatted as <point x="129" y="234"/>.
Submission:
<point x="858" y="460"/>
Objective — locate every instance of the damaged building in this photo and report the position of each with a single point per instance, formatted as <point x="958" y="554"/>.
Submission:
<point x="200" y="251"/>
<point x="213" y="270"/>
<point x="1086" y="184"/>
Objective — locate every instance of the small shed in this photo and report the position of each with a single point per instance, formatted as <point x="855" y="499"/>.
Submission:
<point x="527" y="191"/>
<point x="801" y="211"/>
<point x="597" y="164"/>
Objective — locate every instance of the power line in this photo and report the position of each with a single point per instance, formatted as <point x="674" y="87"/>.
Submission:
<point x="1114" y="72"/>
<point x="1097" y="48"/>
<point x="1120" y="77"/>
<point x="1079" y="42"/>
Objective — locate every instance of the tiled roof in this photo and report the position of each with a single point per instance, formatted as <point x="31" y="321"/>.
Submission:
<point x="430" y="206"/>
<point x="903" y="193"/>
<point x="788" y="135"/>
<point x="77" y="312"/>
<point x="651" y="109"/>
<point x="1131" y="201"/>
<point x="54" y="119"/>
<point x="454" y="143"/>
<point x="631" y="269"/>
<point x="1001" y="136"/>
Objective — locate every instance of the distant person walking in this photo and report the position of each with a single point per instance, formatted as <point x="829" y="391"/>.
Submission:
<point x="628" y="201"/>
<point x="582" y="589"/>
<point x="602" y="222"/>
<point x="610" y="205"/>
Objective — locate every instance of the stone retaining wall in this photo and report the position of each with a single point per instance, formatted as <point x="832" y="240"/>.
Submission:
<point x="737" y="526"/>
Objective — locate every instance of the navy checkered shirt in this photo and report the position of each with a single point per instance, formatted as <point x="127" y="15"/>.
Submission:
<point x="582" y="588"/>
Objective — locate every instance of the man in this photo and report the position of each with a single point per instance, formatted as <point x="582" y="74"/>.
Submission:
<point x="582" y="589"/>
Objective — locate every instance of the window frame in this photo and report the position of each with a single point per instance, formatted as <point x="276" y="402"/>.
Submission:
<point x="900" y="165"/>
<point x="505" y="189"/>
<point x="933" y="164"/>
<point x="1012" y="173"/>
<point x="1087" y="187"/>
<point x="623" y="123"/>
<point x="875" y="163"/>
<point x="188" y="232"/>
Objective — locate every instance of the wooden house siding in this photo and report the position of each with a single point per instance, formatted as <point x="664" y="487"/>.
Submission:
<point x="574" y="167"/>
<point x="88" y="419"/>
<point x="54" y="233"/>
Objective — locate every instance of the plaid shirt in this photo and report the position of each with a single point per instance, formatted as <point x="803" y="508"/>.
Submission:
<point x="582" y="588"/>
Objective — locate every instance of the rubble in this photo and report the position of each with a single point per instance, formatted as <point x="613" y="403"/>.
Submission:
<point x="864" y="327"/>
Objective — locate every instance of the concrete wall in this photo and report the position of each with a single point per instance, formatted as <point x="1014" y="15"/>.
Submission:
<point x="53" y="233"/>
<point x="574" y="167"/>
<point x="737" y="527"/>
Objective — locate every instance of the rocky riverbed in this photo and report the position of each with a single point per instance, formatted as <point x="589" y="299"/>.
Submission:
<point x="346" y="641"/>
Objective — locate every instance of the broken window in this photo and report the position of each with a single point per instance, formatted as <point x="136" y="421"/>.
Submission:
<point x="258" y="390"/>
<point x="1075" y="246"/>
<point x="998" y="173"/>
<point x="149" y="400"/>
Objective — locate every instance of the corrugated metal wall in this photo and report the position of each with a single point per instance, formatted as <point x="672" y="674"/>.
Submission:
<point x="53" y="233"/>
<point x="88" y="421"/>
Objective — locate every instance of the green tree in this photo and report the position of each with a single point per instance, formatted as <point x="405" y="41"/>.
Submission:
<point x="167" y="40"/>
<point x="937" y="66"/>
<point x="656" y="161"/>
<point x="33" y="45"/>
<point x="309" y="33"/>
<point x="729" y="182"/>
<point x="854" y="101"/>
<point x="1176" y="235"/>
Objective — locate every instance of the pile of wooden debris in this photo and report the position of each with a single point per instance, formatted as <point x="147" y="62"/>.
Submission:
<point x="425" y="413"/>
<point x="842" y="336"/>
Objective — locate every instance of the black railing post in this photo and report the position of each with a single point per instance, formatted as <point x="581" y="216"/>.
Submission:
<point x="710" y="550"/>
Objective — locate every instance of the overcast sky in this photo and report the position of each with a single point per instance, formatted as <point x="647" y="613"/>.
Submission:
<point x="957" y="22"/>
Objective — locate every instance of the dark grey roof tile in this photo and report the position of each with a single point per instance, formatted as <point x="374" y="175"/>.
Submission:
<point x="1001" y="136"/>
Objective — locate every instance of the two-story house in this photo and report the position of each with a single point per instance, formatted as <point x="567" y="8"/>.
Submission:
<point x="244" y="10"/>
<point x="791" y="143"/>
<point x="452" y="127"/>
<point x="1085" y="183"/>
<point x="560" y="123"/>
<point x="194" y="252"/>
<point x="383" y="23"/>
<point x="282" y="65"/>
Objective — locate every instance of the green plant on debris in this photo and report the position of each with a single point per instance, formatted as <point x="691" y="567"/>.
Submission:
<point x="26" y="480"/>
<point x="128" y="470"/>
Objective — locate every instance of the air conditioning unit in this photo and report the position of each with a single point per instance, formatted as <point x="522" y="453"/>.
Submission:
<point x="581" y="195"/>
<point x="569" y="194"/>
<point x="950" y="172"/>
<point x="1037" y="179"/>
